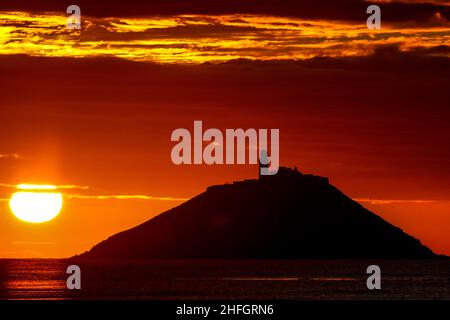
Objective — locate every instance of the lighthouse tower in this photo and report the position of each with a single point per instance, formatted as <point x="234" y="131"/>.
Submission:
<point x="263" y="165"/>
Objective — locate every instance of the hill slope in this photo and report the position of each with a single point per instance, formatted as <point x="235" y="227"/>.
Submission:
<point x="287" y="216"/>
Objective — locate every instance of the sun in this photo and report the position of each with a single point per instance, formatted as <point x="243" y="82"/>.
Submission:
<point x="36" y="203"/>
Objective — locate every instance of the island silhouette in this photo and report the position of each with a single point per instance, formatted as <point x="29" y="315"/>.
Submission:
<point x="289" y="215"/>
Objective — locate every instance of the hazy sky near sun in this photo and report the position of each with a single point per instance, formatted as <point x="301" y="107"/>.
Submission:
<point x="94" y="109"/>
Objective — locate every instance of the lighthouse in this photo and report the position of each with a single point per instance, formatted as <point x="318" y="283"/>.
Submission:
<point x="263" y="165"/>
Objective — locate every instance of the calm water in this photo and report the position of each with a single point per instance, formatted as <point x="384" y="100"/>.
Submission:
<point x="172" y="280"/>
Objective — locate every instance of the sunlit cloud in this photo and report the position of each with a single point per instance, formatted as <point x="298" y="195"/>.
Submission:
<point x="9" y="156"/>
<point x="71" y="186"/>
<point x="116" y="197"/>
<point x="70" y="195"/>
<point x="26" y="186"/>
<point x="146" y="197"/>
<point x="6" y="185"/>
<point x="390" y="201"/>
<point x="124" y="197"/>
<point x="206" y="38"/>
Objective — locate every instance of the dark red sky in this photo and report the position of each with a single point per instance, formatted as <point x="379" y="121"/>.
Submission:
<point x="407" y="10"/>
<point x="376" y="124"/>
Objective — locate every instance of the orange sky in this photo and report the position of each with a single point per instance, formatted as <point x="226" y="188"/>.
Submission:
<point x="95" y="109"/>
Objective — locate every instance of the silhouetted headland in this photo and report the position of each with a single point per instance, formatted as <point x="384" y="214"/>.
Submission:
<point x="286" y="216"/>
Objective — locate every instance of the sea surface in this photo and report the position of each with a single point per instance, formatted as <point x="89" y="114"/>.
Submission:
<point x="225" y="280"/>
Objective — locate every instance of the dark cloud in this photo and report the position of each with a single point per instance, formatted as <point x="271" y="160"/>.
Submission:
<point x="354" y="10"/>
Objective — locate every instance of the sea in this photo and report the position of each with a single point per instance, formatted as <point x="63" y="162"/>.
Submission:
<point x="37" y="279"/>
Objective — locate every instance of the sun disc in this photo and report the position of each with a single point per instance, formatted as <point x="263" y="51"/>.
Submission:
<point x="36" y="207"/>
